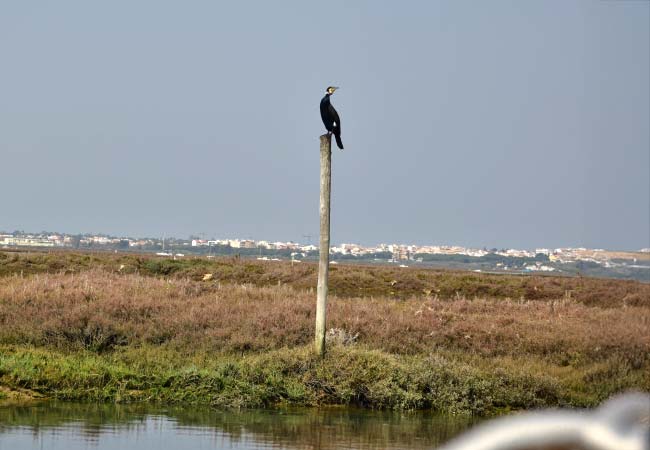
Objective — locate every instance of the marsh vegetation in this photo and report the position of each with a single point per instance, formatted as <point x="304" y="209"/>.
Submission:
<point x="135" y="328"/>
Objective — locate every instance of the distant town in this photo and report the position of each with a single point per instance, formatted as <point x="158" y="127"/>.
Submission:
<point x="572" y="261"/>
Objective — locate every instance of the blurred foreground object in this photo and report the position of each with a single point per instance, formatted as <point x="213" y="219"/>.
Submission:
<point x="620" y="423"/>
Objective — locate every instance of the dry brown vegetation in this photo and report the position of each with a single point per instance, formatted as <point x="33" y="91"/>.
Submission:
<point x="100" y="310"/>
<point x="345" y="280"/>
<point x="518" y="337"/>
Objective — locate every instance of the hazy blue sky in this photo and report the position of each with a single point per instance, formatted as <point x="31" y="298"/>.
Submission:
<point x="499" y="123"/>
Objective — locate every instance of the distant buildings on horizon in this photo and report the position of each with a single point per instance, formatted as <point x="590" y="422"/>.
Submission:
<point x="399" y="252"/>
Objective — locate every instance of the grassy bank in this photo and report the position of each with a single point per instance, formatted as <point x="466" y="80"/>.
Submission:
<point x="288" y="376"/>
<point x="102" y="327"/>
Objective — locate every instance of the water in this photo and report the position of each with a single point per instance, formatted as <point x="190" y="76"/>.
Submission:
<point x="70" y="426"/>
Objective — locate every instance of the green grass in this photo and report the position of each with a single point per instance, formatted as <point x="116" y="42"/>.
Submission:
<point x="346" y="376"/>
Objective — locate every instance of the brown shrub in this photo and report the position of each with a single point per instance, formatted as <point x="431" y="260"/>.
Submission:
<point x="99" y="310"/>
<point x="346" y="280"/>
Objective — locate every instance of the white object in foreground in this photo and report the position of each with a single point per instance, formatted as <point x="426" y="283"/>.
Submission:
<point x="621" y="423"/>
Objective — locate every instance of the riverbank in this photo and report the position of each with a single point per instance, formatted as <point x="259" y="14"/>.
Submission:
<point x="108" y="332"/>
<point x="281" y="377"/>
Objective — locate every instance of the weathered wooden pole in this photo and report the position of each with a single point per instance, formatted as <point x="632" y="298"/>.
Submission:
<point x="323" y="264"/>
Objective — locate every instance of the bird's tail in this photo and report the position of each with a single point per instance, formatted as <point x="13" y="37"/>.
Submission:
<point x="339" y="142"/>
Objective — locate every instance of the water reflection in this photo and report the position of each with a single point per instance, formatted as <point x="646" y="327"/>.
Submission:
<point x="57" y="425"/>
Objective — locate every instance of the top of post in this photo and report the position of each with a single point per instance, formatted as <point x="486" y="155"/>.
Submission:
<point x="326" y="142"/>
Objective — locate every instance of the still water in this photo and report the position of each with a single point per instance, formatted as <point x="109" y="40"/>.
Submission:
<point x="70" y="426"/>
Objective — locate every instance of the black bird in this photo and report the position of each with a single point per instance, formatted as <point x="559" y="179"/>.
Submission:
<point x="330" y="116"/>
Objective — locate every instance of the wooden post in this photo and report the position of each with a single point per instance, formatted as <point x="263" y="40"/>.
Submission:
<point x="323" y="264"/>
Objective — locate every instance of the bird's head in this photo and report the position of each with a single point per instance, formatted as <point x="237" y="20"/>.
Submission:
<point x="331" y="89"/>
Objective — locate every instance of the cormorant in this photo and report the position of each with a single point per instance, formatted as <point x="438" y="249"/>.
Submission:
<point x="330" y="116"/>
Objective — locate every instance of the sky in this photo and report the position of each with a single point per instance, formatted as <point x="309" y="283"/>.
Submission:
<point x="499" y="124"/>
